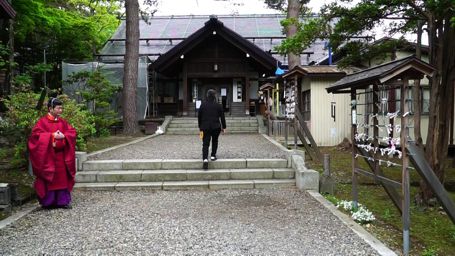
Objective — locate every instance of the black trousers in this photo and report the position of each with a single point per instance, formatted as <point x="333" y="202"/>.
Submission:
<point x="210" y="135"/>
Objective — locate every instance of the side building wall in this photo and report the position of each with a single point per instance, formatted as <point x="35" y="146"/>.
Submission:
<point x="326" y="130"/>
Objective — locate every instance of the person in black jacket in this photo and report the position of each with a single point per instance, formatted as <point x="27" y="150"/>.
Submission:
<point x="211" y="122"/>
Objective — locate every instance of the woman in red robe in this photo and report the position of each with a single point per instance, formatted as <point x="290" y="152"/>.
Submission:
<point x="52" y="147"/>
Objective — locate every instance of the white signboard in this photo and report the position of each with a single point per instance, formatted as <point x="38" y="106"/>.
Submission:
<point x="223" y="92"/>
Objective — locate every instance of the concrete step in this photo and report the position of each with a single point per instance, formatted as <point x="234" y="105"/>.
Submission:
<point x="181" y="185"/>
<point x="183" y="175"/>
<point x="191" y="130"/>
<point x="228" y="124"/>
<point x="181" y="164"/>
<point x="182" y="131"/>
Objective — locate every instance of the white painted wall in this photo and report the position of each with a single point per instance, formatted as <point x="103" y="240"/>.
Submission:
<point x="326" y="131"/>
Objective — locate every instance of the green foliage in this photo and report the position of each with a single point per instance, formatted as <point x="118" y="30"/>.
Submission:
<point x="23" y="82"/>
<point x="452" y="233"/>
<point x="387" y="214"/>
<point x="71" y="29"/>
<point x="4" y="56"/>
<point x="82" y="120"/>
<point x="430" y="252"/>
<point x="357" y="52"/>
<point x="22" y="116"/>
<point x="97" y="92"/>
<point x="307" y="33"/>
<point x="331" y="199"/>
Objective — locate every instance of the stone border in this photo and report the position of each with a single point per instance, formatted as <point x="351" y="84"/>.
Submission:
<point x="305" y="179"/>
<point x="381" y="248"/>
<point x="18" y="215"/>
<point x="261" y="126"/>
<point x="163" y="126"/>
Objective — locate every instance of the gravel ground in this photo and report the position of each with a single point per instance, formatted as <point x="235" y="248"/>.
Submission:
<point x="190" y="147"/>
<point x="225" y="222"/>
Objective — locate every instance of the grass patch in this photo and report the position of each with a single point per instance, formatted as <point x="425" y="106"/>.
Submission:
<point x="95" y="144"/>
<point x="432" y="232"/>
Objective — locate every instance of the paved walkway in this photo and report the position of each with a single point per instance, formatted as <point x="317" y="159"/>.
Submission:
<point x="226" y="222"/>
<point x="190" y="147"/>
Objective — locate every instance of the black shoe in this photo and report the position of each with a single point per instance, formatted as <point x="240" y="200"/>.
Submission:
<point x="66" y="207"/>
<point x="205" y="164"/>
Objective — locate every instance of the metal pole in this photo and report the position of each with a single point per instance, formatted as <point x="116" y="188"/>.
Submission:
<point x="405" y="171"/>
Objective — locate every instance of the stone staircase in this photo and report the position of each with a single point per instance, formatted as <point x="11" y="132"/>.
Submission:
<point x="184" y="174"/>
<point x="188" y="125"/>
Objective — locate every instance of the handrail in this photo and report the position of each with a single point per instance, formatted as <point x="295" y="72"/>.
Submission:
<point x="307" y="133"/>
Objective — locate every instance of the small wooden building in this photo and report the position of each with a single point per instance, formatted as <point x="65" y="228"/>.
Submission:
<point x="233" y="54"/>
<point x="323" y="113"/>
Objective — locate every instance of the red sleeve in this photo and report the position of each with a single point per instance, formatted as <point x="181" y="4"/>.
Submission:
<point x="40" y="151"/>
<point x="70" y="148"/>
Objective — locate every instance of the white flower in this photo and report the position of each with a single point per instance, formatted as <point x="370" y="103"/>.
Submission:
<point x="360" y="214"/>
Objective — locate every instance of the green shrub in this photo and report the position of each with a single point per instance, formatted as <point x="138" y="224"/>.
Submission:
<point x="97" y="92"/>
<point x="22" y="115"/>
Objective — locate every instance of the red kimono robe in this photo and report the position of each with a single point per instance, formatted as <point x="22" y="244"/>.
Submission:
<point x="53" y="160"/>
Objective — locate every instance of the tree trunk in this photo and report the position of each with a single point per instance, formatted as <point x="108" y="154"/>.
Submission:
<point x="291" y="30"/>
<point x="442" y="57"/>
<point x="130" y="124"/>
<point x="417" y="91"/>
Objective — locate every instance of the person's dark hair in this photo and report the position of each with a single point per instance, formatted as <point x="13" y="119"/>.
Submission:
<point x="54" y="102"/>
<point x="211" y="95"/>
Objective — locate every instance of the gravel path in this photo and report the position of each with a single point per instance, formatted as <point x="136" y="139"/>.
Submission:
<point x="190" y="147"/>
<point x="225" y="222"/>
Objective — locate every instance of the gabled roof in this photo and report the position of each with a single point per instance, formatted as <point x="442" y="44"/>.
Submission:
<point x="331" y="71"/>
<point x="381" y="74"/>
<point x="6" y="10"/>
<point x="266" y="86"/>
<point x="406" y="46"/>
<point x="159" y="34"/>
<point x="214" y="26"/>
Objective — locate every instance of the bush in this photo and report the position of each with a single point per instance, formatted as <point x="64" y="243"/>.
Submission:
<point x="22" y="115"/>
<point x="97" y="92"/>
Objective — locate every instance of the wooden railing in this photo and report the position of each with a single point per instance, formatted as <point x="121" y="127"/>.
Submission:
<point x="305" y="136"/>
<point x="298" y="127"/>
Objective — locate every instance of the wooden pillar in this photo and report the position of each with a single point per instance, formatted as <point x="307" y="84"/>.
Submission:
<point x="406" y="219"/>
<point x="247" y="94"/>
<point x="375" y="110"/>
<point x="185" y="89"/>
<point x="354" y="152"/>
<point x="298" y="102"/>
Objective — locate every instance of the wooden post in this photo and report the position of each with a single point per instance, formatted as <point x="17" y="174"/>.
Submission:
<point x="375" y="127"/>
<point x="185" y="90"/>
<point x="354" y="160"/>
<point x="247" y="95"/>
<point x="405" y="172"/>
<point x="286" y="131"/>
<point x="296" y="108"/>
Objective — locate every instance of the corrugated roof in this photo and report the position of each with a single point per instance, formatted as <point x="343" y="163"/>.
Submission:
<point x="162" y="33"/>
<point x="314" y="71"/>
<point x="371" y="75"/>
<point x="321" y="69"/>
